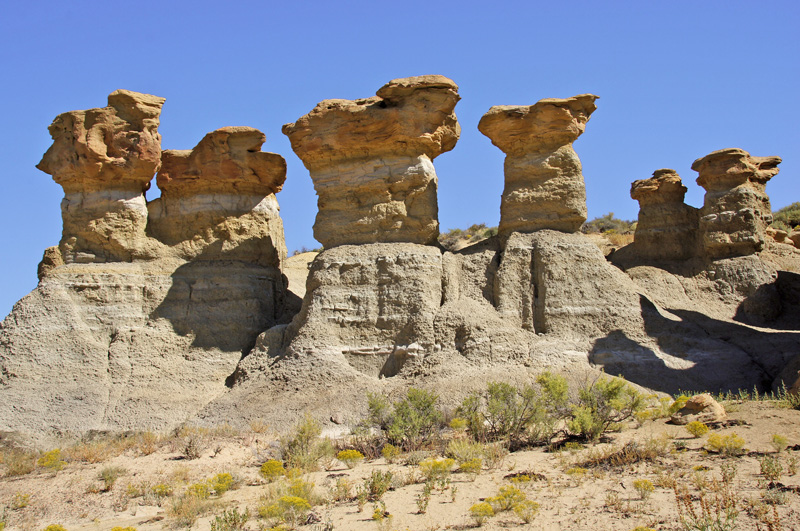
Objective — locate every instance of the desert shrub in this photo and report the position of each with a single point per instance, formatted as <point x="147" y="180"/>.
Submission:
<point x="507" y="497"/>
<point x="472" y="468"/>
<point x="192" y="441"/>
<point x="290" y="510"/>
<point x="118" y="528"/>
<point x="717" y="512"/>
<point x="730" y="445"/>
<point x="19" y="462"/>
<point x="480" y="512"/>
<point x="458" y="424"/>
<point x="779" y="442"/>
<point x="367" y="441"/>
<point x="350" y="457"/>
<point x="630" y="453"/>
<point x="272" y="470"/>
<point x="643" y="487"/>
<point x="526" y="510"/>
<point x="52" y="460"/>
<point x="436" y="470"/>
<point x="608" y="223"/>
<point x="603" y="404"/>
<point x="787" y="217"/>
<point x="771" y="468"/>
<point x="199" y="490"/>
<point x="463" y="450"/>
<point x="147" y="442"/>
<point x="222" y="483"/>
<point x="514" y="415"/>
<point x="185" y="510"/>
<point x="302" y="448"/>
<point x="391" y="452"/>
<point x="697" y="429"/>
<point x="55" y="527"/>
<point x="20" y="500"/>
<point x="377" y="484"/>
<point x="414" y="419"/>
<point x="109" y="475"/>
<point x="231" y="520"/>
<point x="342" y="490"/>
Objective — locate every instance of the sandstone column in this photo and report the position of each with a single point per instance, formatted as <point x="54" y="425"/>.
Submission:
<point x="736" y="209"/>
<point x="544" y="186"/>
<point x="218" y="199"/>
<point x="105" y="159"/>
<point x="370" y="160"/>
<point x="667" y="227"/>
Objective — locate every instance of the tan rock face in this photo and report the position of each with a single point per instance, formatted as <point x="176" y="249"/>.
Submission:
<point x="105" y="159"/>
<point x="667" y="227"/>
<point x="736" y="209"/>
<point x="370" y="160"/>
<point x="700" y="408"/>
<point x="544" y="186"/>
<point x="218" y="199"/>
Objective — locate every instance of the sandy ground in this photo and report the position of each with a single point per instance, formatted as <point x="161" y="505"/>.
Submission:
<point x="599" y="498"/>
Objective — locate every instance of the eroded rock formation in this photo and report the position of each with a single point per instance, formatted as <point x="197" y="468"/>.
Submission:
<point x="667" y="227"/>
<point x="544" y="186"/>
<point x="105" y="159"/>
<point x="218" y="199"/>
<point x="736" y="209"/>
<point x="370" y="160"/>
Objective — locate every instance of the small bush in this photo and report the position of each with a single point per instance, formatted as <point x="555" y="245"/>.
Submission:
<point x="603" y="404"/>
<point x="391" y="452"/>
<point x="507" y="497"/>
<point x="19" y="462"/>
<point x="779" y="442"/>
<point x="436" y="469"/>
<point x="109" y="475"/>
<point x="697" y="429"/>
<point x="200" y="491"/>
<point x="644" y="488"/>
<point x="414" y="419"/>
<point x="118" y="528"/>
<point x="463" y="450"/>
<point x="147" y="442"/>
<point x="350" y="457"/>
<point x="472" y="468"/>
<point x="231" y="520"/>
<point x="771" y="468"/>
<point x="185" y="510"/>
<point x="222" y="483"/>
<point x="52" y="460"/>
<point x="730" y="445"/>
<point x="20" y="500"/>
<point x="291" y="510"/>
<point x="526" y="510"/>
<point x="272" y="470"/>
<point x="302" y="448"/>
<point x="480" y="512"/>
<point x="55" y="527"/>
<point x="376" y="485"/>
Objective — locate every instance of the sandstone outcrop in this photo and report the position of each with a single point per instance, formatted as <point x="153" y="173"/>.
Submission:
<point x="700" y="408"/>
<point x="544" y="186"/>
<point x="736" y="209"/>
<point x="105" y="159"/>
<point x="667" y="227"/>
<point x="370" y="160"/>
<point x="218" y="199"/>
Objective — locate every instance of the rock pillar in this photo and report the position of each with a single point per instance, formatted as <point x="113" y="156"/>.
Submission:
<point x="736" y="209"/>
<point x="544" y="186"/>
<point x="105" y="159"/>
<point x="667" y="227"/>
<point x="218" y="199"/>
<point x="370" y="160"/>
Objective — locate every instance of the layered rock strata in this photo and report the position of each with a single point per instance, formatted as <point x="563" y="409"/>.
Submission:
<point x="370" y="160"/>
<point x="736" y="209"/>
<point x="667" y="227"/>
<point x="218" y="199"/>
<point x="544" y="186"/>
<point x="105" y="159"/>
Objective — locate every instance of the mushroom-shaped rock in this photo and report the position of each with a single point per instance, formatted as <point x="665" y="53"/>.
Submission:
<point x="544" y="186"/>
<point x="105" y="159"/>
<point x="370" y="160"/>
<point x="736" y="209"/>
<point x="218" y="199"/>
<point x="700" y="408"/>
<point x="667" y="227"/>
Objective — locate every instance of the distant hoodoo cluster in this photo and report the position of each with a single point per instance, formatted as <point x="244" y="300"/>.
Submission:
<point x="152" y="313"/>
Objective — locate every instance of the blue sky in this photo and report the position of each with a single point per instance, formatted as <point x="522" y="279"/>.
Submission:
<point x="676" y="81"/>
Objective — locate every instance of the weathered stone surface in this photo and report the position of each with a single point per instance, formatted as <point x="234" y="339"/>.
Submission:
<point x="544" y="186"/>
<point x="794" y="236"/>
<point x="736" y="209"/>
<point x="667" y="227"/>
<point x="700" y="408"/>
<point x="370" y="160"/>
<point x="374" y="305"/>
<point x="218" y="199"/>
<point x="778" y="235"/>
<point x="105" y="159"/>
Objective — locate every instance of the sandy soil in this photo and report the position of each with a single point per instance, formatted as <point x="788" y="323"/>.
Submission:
<point x="596" y="498"/>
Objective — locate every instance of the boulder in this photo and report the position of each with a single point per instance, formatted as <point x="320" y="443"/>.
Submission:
<point x="701" y="408"/>
<point x="544" y="186"/>
<point x="370" y="160"/>
<point x="736" y="209"/>
<point x="218" y="199"/>
<point x="778" y="235"/>
<point x="105" y="159"/>
<point x="794" y="236"/>
<point x="667" y="227"/>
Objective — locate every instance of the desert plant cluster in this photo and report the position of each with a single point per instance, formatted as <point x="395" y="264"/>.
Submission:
<point x="543" y="454"/>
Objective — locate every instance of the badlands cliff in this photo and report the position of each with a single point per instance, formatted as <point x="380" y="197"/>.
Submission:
<point x="152" y="314"/>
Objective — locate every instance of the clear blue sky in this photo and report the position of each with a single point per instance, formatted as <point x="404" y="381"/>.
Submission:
<point x="676" y="81"/>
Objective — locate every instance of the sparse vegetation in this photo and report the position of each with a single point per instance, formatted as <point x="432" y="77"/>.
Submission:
<point x="697" y="429"/>
<point x="454" y="238"/>
<point x="787" y="217"/>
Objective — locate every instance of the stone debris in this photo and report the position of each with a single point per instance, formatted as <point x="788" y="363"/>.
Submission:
<point x="544" y="186"/>
<point x="370" y="160"/>
<point x="667" y="227"/>
<point x="736" y="209"/>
